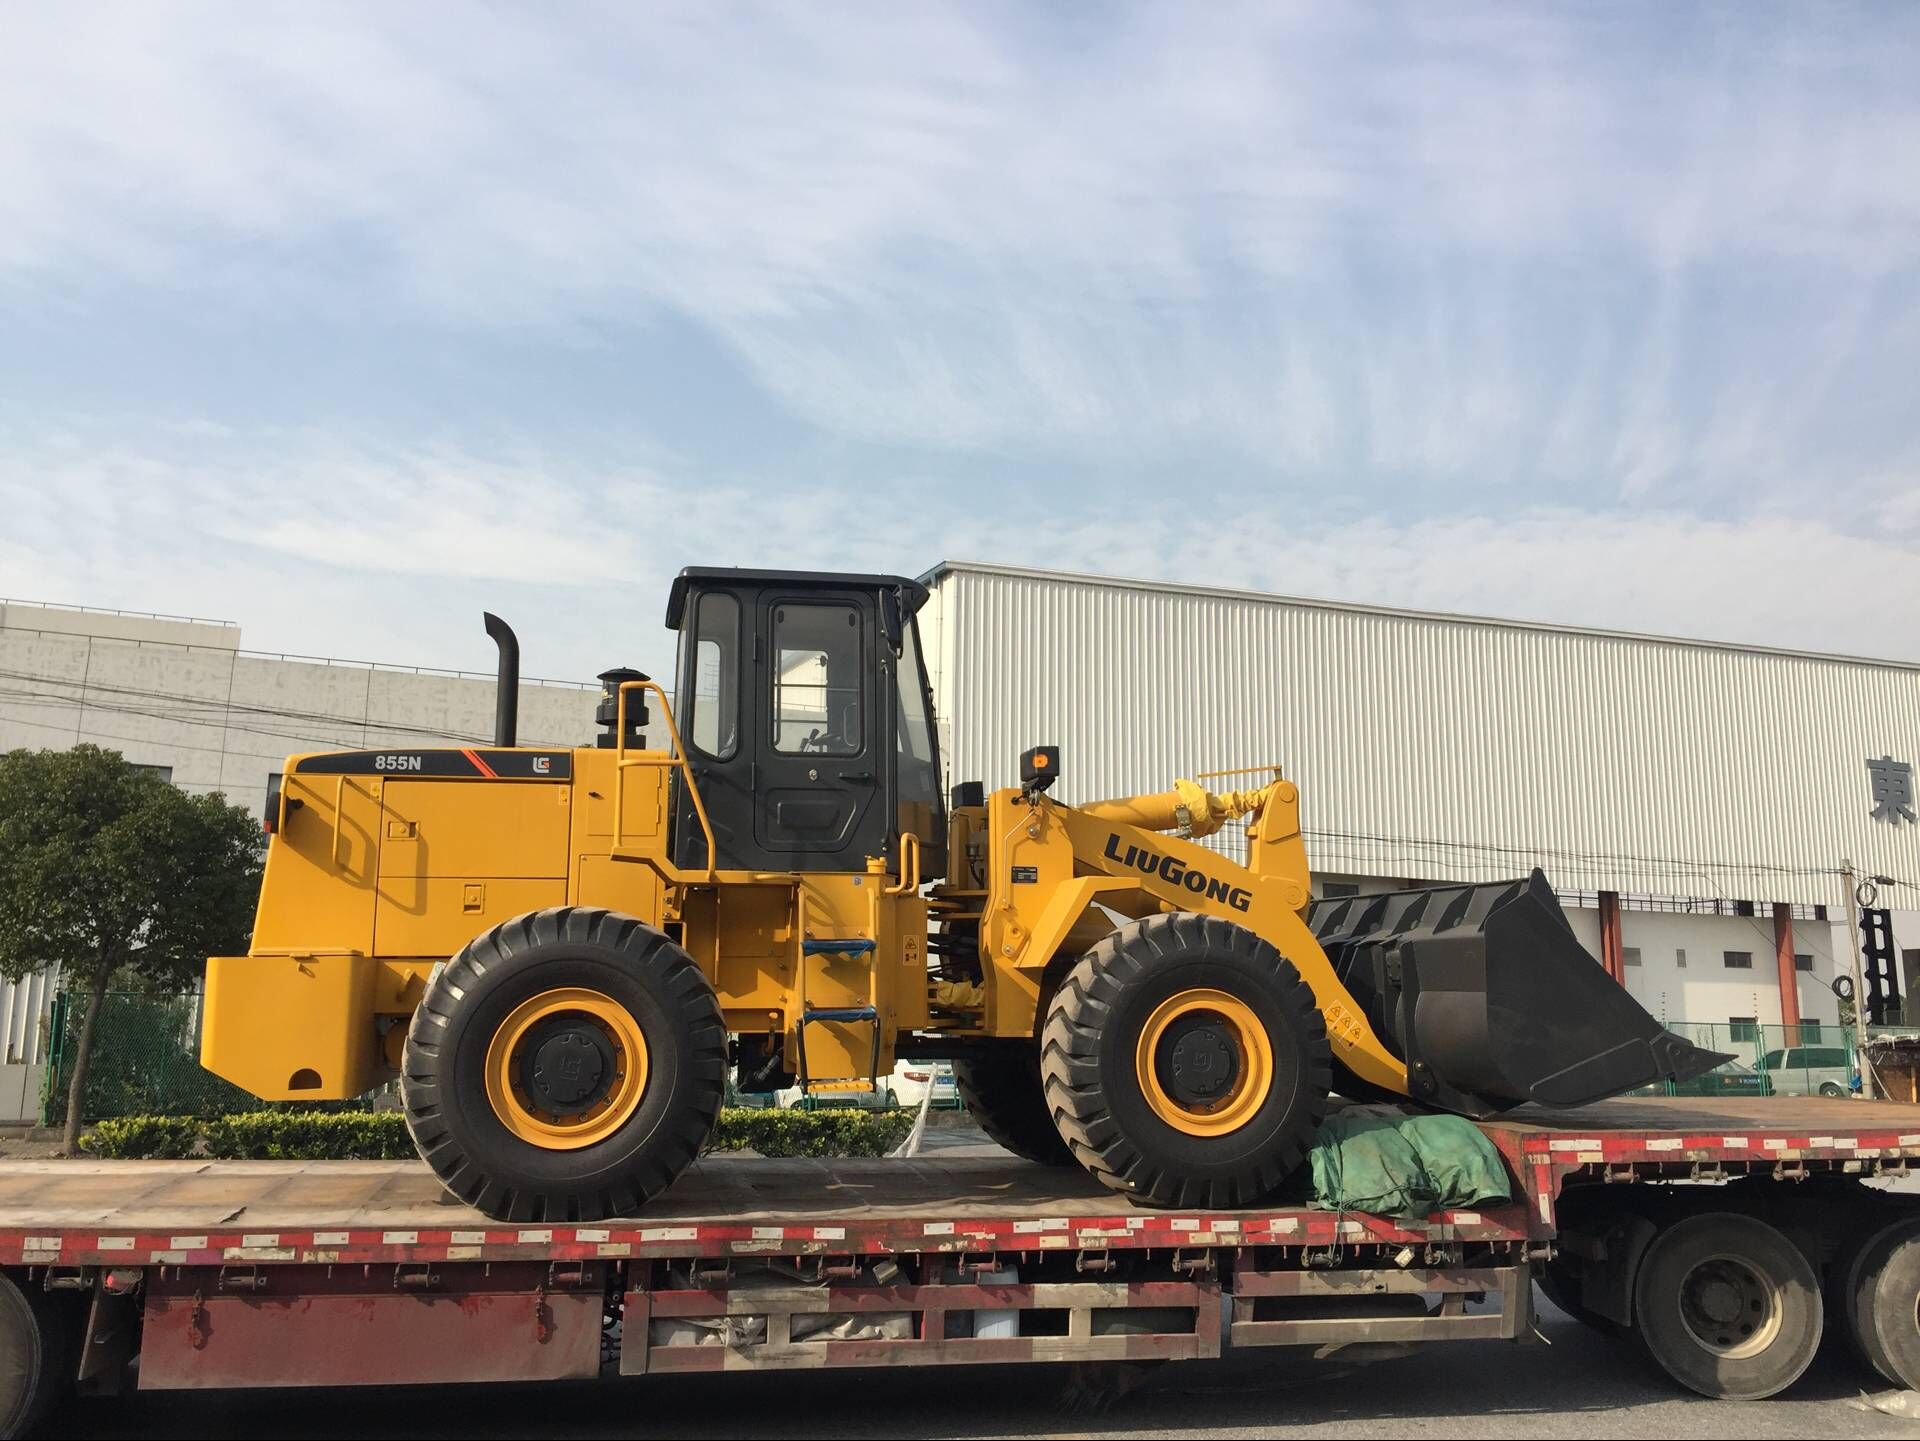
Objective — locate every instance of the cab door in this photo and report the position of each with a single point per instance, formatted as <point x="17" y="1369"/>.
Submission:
<point x="822" y="750"/>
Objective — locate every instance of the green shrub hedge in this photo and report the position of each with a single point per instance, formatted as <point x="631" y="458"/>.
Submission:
<point x="382" y="1135"/>
<point x="836" y="1132"/>
<point x="142" y="1137"/>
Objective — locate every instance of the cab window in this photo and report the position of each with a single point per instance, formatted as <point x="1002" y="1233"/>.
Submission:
<point x="817" y="704"/>
<point x="916" y="725"/>
<point x="716" y="675"/>
<point x="916" y="766"/>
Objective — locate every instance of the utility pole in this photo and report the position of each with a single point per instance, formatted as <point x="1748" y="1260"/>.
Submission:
<point x="1867" y="1089"/>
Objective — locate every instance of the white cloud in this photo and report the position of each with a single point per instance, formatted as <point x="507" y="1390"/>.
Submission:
<point x="390" y="556"/>
<point x="1320" y="237"/>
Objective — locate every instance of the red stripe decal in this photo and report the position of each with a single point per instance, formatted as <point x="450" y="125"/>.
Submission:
<point x="484" y="769"/>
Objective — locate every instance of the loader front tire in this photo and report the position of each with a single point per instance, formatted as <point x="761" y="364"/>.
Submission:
<point x="1185" y="1063"/>
<point x="1001" y="1087"/>
<point x="565" y="1066"/>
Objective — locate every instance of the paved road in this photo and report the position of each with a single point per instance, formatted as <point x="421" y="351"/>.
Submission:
<point x="1581" y="1385"/>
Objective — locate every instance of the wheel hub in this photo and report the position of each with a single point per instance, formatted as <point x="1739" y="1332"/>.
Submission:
<point x="1204" y="1062"/>
<point x="1729" y="1307"/>
<point x="1719" y="1302"/>
<point x="1199" y="1061"/>
<point x="568" y="1067"/>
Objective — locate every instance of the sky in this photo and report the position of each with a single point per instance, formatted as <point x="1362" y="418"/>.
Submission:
<point x="344" y="322"/>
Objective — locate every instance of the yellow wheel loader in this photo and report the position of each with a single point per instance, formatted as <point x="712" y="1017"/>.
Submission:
<point x="564" y="955"/>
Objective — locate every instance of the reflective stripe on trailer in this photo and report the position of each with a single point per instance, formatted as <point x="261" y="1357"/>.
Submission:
<point x="1289" y="1228"/>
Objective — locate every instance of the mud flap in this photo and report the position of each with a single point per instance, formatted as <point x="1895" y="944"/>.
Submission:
<point x="1491" y="1000"/>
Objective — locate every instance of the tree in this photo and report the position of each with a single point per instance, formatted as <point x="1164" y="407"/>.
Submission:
<point x="106" y="871"/>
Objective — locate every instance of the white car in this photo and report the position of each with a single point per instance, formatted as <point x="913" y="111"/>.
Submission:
<point x="906" y="1087"/>
<point x="1809" y="1071"/>
<point x="912" y="1079"/>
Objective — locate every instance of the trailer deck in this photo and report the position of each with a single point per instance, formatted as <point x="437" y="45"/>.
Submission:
<point x="275" y="1212"/>
<point x="264" y="1273"/>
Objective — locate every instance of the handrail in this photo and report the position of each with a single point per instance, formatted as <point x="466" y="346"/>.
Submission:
<point x="621" y="761"/>
<point x="909" y="878"/>
<point x="1275" y="768"/>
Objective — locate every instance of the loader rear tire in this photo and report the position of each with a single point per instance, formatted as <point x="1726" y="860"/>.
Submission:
<point x="1001" y="1087"/>
<point x="567" y="1065"/>
<point x="1185" y="1063"/>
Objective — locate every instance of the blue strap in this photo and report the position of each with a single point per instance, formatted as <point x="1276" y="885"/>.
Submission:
<point x="836" y="948"/>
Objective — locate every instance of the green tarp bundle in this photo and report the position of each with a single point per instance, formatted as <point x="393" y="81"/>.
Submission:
<point x="1389" y="1163"/>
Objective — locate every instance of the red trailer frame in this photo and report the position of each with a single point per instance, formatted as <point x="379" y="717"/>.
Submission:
<point x="242" y="1274"/>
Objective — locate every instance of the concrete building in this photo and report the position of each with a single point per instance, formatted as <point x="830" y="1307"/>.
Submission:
<point x="1692" y="801"/>
<point x="182" y="696"/>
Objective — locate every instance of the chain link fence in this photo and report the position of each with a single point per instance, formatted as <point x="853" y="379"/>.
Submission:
<point x="1815" y="1059"/>
<point x="146" y="1060"/>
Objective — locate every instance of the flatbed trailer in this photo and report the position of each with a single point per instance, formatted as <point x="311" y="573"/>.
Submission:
<point x="1726" y="1234"/>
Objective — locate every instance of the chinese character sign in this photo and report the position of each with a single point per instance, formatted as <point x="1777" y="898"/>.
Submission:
<point x="1892" y="790"/>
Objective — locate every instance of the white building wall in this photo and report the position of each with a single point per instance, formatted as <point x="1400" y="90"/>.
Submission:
<point x="184" y="695"/>
<point x="1683" y="975"/>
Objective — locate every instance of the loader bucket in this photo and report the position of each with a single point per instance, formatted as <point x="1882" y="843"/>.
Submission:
<point x="1492" y="1001"/>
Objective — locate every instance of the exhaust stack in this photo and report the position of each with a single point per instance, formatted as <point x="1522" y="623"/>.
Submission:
<point x="506" y="704"/>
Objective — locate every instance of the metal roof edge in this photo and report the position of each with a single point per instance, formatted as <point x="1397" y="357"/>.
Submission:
<point x="1399" y="612"/>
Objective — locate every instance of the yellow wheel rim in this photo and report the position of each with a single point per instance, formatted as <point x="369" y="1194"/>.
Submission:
<point x="594" y="1041"/>
<point x="1204" y="1062"/>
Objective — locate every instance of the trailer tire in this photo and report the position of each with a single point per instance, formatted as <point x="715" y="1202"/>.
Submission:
<point x="1727" y="1306"/>
<point x="1186" y="1063"/>
<point x="1001" y="1087"/>
<point x="1886" y="1308"/>
<point x="36" y="1355"/>
<point x="492" y="1075"/>
<point x="1849" y="1285"/>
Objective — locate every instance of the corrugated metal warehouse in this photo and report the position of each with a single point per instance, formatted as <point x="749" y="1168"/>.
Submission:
<point x="1700" y="782"/>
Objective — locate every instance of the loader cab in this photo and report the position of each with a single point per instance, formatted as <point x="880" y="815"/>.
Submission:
<point x="802" y="700"/>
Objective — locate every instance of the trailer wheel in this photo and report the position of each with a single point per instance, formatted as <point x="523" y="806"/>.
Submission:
<point x="1185" y="1062"/>
<point x="565" y="1066"/>
<point x="1001" y="1087"/>
<point x="35" y="1357"/>
<point x="1886" y="1306"/>
<point x="1849" y="1285"/>
<point x="1728" y="1306"/>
